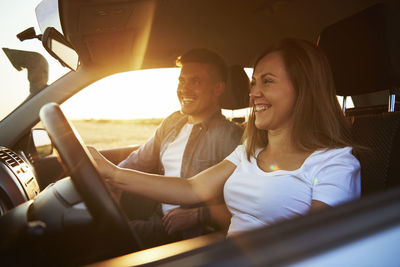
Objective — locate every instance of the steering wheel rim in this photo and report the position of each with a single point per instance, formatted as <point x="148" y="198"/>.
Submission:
<point x="87" y="180"/>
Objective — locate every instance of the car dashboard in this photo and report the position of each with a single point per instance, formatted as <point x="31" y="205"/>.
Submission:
<point x="32" y="218"/>
<point x="18" y="182"/>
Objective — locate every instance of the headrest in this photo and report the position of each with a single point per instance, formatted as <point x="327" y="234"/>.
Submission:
<point x="359" y="53"/>
<point x="236" y="94"/>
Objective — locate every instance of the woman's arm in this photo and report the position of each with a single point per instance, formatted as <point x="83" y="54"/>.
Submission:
<point x="174" y="190"/>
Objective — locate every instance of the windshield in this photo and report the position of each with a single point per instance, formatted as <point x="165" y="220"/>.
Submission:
<point x="20" y="61"/>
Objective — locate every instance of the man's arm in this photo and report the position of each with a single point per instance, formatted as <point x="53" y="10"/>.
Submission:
<point x="213" y="218"/>
<point x="216" y="216"/>
<point x="144" y="159"/>
<point x="179" y="219"/>
<point x="147" y="157"/>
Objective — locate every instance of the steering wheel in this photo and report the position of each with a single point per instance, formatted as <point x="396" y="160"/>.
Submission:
<point x="87" y="180"/>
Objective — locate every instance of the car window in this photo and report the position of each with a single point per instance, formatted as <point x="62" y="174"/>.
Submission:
<point x="123" y="109"/>
<point x="22" y="60"/>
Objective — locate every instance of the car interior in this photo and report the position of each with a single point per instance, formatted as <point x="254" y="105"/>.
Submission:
<point x="56" y="210"/>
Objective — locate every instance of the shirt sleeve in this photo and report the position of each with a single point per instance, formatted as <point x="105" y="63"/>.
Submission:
<point x="338" y="180"/>
<point x="236" y="156"/>
<point x="146" y="158"/>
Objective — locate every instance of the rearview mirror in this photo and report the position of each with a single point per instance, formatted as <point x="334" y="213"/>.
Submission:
<point x="56" y="44"/>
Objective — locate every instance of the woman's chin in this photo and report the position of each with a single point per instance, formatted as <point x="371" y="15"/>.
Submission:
<point x="261" y="125"/>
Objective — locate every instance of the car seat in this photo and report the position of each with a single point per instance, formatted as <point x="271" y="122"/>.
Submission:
<point x="236" y="93"/>
<point x="360" y="52"/>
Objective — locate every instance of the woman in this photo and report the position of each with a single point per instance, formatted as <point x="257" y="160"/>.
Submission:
<point x="296" y="156"/>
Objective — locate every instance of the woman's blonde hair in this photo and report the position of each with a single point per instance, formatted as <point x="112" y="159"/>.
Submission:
<point x="318" y="121"/>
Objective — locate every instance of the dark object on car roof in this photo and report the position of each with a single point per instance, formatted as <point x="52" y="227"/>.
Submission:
<point x="358" y="50"/>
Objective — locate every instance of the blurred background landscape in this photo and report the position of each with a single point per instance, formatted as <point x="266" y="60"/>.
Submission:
<point x="115" y="133"/>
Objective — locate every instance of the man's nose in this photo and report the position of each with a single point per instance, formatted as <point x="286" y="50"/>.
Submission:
<point x="185" y="87"/>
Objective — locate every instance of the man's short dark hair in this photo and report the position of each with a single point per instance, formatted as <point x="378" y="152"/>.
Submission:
<point x="203" y="55"/>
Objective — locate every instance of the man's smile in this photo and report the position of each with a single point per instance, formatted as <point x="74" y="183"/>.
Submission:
<point x="188" y="99"/>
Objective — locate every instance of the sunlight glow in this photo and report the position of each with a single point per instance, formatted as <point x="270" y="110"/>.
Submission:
<point x="153" y="255"/>
<point x="129" y="95"/>
<point x="273" y="167"/>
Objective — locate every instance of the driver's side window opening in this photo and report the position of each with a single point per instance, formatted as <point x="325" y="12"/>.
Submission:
<point x="123" y="109"/>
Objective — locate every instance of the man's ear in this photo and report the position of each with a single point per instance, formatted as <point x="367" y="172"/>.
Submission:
<point x="219" y="88"/>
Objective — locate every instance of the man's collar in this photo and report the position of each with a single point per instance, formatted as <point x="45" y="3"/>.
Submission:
<point x="206" y="122"/>
<point x="203" y="124"/>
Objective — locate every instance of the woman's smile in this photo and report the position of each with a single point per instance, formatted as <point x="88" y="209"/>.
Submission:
<point x="261" y="107"/>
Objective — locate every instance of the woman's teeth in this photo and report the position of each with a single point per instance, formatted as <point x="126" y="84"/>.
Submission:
<point x="262" y="107"/>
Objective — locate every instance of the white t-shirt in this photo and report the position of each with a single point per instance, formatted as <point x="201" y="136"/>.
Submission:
<point x="257" y="198"/>
<point x="171" y="158"/>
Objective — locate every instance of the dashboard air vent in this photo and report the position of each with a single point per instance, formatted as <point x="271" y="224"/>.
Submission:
<point x="10" y="158"/>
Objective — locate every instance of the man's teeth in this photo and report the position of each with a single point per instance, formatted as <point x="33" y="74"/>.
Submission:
<point x="187" y="99"/>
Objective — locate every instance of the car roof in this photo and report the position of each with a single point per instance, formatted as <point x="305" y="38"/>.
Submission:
<point x="131" y="35"/>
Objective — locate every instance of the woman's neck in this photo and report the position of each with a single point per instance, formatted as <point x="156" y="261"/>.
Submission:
<point x="281" y="153"/>
<point x="281" y="141"/>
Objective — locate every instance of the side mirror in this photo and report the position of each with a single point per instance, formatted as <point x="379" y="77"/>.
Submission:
<point x="42" y="142"/>
<point x="54" y="42"/>
<point x="36" y="65"/>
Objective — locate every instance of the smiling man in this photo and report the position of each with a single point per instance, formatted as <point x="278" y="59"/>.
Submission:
<point x="186" y="143"/>
<point x="200" y="86"/>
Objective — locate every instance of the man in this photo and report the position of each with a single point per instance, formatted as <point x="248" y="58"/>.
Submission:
<point x="187" y="142"/>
